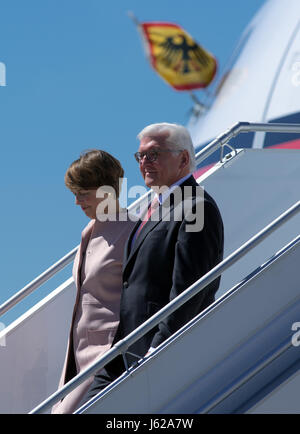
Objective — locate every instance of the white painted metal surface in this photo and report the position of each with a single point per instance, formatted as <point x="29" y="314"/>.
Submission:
<point x="286" y="86"/>
<point x="32" y="351"/>
<point x="251" y="190"/>
<point x="284" y="399"/>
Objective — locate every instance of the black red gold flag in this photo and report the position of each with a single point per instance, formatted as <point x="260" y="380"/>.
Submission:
<point x="177" y="58"/>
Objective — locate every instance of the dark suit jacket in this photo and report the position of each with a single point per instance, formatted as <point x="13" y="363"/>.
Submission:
<point x="163" y="261"/>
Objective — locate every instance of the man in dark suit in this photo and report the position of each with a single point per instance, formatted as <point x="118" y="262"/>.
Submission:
<point x="170" y="251"/>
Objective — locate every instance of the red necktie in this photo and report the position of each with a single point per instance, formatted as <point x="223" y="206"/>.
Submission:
<point x="154" y="205"/>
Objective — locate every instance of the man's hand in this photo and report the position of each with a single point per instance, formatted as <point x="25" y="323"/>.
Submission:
<point x="151" y="349"/>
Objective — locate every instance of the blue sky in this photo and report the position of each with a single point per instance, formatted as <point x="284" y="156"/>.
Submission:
<point x="77" y="78"/>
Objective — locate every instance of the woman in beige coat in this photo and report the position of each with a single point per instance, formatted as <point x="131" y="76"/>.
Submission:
<point x="97" y="269"/>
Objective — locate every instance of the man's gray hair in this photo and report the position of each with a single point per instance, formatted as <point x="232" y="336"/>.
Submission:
<point x="178" y="138"/>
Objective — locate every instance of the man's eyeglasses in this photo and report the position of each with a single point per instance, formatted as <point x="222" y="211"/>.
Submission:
<point x="152" y="155"/>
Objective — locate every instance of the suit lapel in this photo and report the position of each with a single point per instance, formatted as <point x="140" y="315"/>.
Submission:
<point x="158" y="215"/>
<point x="163" y="212"/>
<point x="127" y="248"/>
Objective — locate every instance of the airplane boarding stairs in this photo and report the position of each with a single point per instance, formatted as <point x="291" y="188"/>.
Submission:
<point x="239" y="355"/>
<point x="231" y="358"/>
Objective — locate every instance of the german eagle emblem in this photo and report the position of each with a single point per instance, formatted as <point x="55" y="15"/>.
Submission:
<point x="174" y="54"/>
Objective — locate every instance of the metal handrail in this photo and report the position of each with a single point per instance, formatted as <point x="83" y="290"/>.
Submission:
<point x="122" y="346"/>
<point x="243" y="127"/>
<point x="219" y="142"/>
<point x="38" y="281"/>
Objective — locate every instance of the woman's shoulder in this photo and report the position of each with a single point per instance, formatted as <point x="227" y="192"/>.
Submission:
<point x="88" y="227"/>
